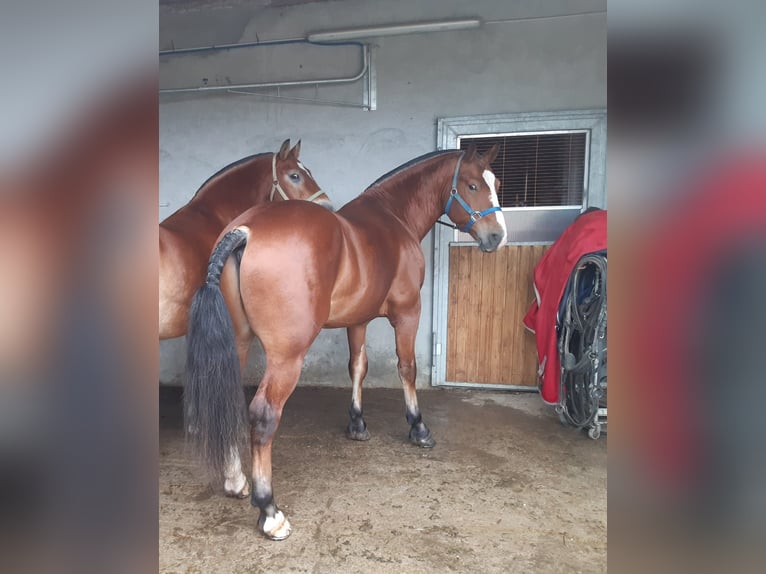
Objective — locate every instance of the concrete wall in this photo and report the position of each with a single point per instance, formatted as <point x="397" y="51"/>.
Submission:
<point x="535" y="65"/>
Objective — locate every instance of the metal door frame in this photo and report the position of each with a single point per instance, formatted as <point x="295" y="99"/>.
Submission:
<point x="449" y="132"/>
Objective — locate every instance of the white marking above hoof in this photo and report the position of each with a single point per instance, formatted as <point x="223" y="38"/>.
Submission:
<point x="277" y="527"/>
<point x="236" y="483"/>
<point x="238" y="487"/>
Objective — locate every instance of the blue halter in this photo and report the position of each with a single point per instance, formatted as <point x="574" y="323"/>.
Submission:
<point x="473" y="216"/>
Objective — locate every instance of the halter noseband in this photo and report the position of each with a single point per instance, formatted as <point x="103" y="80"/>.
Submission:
<point x="473" y="215"/>
<point x="276" y="187"/>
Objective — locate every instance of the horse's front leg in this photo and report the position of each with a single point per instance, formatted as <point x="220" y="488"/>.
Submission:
<point x="405" y="325"/>
<point x="357" y="370"/>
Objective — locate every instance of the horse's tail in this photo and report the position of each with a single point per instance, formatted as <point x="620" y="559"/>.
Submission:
<point x="215" y="411"/>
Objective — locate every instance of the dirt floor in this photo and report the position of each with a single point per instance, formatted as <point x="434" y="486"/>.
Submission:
<point x="506" y="489"/>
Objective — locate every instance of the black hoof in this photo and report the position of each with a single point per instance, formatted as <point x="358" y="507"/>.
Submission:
<point x="357" y="430"/>
<point x="358" y="435"/>
<point x="421" y="438"/>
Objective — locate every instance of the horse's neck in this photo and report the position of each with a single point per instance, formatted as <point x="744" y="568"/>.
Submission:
<point x="234" y="191"/>
<point x="416" y="198"/>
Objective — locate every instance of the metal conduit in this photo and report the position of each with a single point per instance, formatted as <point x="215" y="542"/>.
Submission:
<point x="281" y="84"/>
<point x="214" y="48"/>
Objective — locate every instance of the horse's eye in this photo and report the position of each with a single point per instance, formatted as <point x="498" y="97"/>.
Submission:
<point x="472" y="187"/>
<point x="295" y="176"/>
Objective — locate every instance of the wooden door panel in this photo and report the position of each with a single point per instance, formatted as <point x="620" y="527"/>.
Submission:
<point x="489" y="293"/>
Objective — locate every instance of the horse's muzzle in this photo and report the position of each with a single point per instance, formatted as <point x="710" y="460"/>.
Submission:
<point x="326" y="203"/>
<point x="490" y="242"/>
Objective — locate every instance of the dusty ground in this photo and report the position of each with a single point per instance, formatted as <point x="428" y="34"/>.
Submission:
<point x="507" y="489"/>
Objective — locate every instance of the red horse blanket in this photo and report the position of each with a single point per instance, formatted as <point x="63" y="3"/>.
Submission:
<point x="587" y="234"/>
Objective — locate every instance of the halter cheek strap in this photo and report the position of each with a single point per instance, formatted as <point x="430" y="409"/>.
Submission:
<point x="276" y="187"/>
<point x="275" y="182"/>
<point x="473" y="215"/>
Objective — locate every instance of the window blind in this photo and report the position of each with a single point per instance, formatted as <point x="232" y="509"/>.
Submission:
<point x="537" y="170"/>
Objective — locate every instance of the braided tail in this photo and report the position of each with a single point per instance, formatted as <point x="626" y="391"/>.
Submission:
<point x="215" y="411"/>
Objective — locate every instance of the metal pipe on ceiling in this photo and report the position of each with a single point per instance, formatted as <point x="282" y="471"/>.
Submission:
<point x="282" y="84"/>
<point x="215" y="48"/>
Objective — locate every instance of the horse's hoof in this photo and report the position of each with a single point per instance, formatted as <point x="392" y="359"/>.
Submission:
<point x="276" y="527"/>
<point x="424" y="441"/>
<point x="358" y="435"/>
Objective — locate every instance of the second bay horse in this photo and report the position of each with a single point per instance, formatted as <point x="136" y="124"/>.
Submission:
<point x="188" y="236"/>
<point x="303" y="268"/>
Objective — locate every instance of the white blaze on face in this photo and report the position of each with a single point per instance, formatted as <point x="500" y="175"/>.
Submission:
<point x="489" y="177"/>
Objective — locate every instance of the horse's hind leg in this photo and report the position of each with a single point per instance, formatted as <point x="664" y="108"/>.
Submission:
<point x="405" y="328"/>
<point x="277" y="385"/>
<point x="236" y="483"/>
<point x="357" y="369"/>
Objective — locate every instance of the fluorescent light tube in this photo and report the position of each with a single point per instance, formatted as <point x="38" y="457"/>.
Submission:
<point x="394" y="30"/>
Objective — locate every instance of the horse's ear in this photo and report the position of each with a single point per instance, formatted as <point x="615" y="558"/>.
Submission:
<point x="284" y="150"/>
<point x="470" y="153"/>
<point x="296" y="150"/>
<point x="491" y="154"/>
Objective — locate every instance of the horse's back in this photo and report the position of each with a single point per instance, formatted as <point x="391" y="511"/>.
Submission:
<point x="346" y="266"/>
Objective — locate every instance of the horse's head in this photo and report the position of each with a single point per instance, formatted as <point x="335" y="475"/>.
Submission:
<point x="293" y="180"/>
<point x="473" y="205"/>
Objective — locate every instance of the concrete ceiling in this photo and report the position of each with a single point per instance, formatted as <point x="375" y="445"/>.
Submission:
<point x="183" y="4"/>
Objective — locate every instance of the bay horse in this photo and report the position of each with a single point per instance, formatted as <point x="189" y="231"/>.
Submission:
<point x="302" y="269"/>
<point x="188" y="236"/>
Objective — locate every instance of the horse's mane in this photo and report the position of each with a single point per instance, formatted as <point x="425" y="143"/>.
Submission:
<point x="232" y="165"/>
<point x="412" y="163"/>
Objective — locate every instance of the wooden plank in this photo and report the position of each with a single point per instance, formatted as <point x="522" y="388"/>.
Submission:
<point x="510" y="295"/>
<point x="525" y="371"/>
<point x="452" y="285"/>
<point x="515" y="317"/>
<point x="517" y="368"/>
<point x="487" y="347"/>
<point x="471" y="324"/>
<point x="464" y="311"/>
<point x="529" y="348"/>
<point x="498" y="371"/>
<point x="513" y="313"/>
<point x="506" y="357"/>
<point x="499" y="290"/>
<point x="453" y="323"/>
